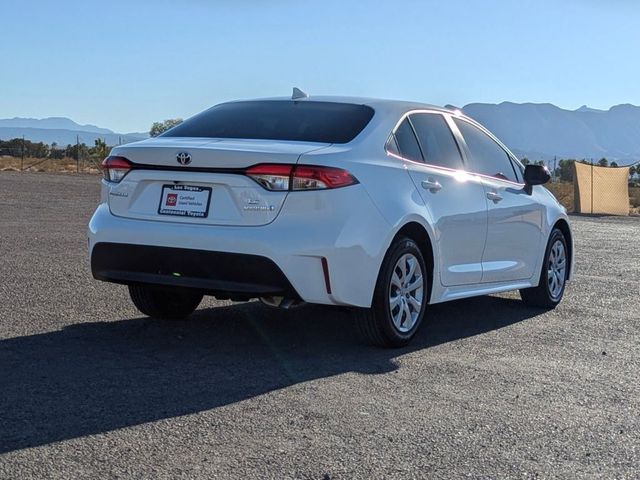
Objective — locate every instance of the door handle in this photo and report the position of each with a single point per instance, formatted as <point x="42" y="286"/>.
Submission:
<point x="495" y="197"/>
<point x="432" y="185"/>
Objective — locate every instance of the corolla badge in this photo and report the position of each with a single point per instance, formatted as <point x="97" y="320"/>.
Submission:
<point x="183" y="158"/>
<point x="254" y="206"/>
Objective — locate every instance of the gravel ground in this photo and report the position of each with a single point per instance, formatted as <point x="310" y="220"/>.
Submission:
<point x="490" y="389"/>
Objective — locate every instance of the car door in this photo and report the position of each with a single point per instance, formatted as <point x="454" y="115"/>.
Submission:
<point x="454" y="200"/>
<point x="515" y="218"/>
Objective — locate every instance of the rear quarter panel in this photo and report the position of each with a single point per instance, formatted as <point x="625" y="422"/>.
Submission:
<point x="392" y="194"/>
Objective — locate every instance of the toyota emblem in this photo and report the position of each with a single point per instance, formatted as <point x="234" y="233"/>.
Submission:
<point x="183" y="158"/>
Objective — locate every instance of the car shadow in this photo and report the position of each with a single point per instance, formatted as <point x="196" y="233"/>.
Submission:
<point x="96" y="377"/>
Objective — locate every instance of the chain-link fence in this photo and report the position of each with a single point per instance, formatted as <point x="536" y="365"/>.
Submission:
<point x="22" y="155"/>
<point x="57" y="165"/>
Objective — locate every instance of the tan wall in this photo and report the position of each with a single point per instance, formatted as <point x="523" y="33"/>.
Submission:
<point x="610" y="189"/>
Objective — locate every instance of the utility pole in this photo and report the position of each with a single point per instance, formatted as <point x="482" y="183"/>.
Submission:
<point x="592" y="186"/>
<point x="77" y="154"/>
<point x="22" y="156"/>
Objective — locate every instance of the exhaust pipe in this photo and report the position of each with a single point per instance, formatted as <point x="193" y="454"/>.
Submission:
<point x="280" y="302"/>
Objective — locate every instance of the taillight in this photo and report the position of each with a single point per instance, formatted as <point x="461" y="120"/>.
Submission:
<point x="115" y="168"/>
<point x="309" y="177"/>
<point x="281" y="177"/>
<point x="271" y="177"/>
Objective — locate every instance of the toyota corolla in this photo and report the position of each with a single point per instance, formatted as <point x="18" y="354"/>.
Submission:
<point x="381" y="206"/>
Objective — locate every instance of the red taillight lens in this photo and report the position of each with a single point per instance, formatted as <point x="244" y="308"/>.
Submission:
<point x="308" y="177"/>
<point x="282" y="177"/>
<point x="115" y="168"/>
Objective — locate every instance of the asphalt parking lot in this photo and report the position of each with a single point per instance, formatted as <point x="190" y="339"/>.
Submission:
<point x="490" y="389"/>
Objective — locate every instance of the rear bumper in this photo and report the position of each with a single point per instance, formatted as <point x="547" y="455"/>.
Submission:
<point x="225" y="275"/>
<point x="314" y="230"/>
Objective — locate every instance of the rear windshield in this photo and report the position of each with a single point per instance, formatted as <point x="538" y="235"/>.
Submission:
<point x="304" y="121"/>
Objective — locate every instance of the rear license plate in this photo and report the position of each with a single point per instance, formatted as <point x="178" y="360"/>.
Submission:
<point x="185" y="201"/>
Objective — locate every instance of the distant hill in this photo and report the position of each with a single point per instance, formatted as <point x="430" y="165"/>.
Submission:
<point x="62" y="131"/>
<point x="50" y="123"/>
<point x="533" y="130"/>
<point x="542" y="131"/>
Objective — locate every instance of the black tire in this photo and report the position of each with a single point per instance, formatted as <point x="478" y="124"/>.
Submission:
<point x="541" y="296"/>
<point x="170" y="303"/>
<point x="376" y="324"/>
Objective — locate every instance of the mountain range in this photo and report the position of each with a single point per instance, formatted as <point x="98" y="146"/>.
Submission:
<point x="62" y="131"/>
<point x="543" y="131"/>
<point x="538" y="131"/>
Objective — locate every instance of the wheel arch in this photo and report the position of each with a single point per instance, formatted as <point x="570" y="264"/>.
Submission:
<point x="419" y="234"/>
<point x="563" y="226"/>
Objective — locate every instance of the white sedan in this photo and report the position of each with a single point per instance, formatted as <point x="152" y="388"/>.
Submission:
<point x="383" y="206"/>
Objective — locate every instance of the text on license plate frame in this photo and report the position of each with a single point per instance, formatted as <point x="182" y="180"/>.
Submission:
<point x="176" y="190"/>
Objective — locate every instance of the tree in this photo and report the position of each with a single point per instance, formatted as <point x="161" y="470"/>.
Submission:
<point x="565" y="170"/>
<point x="525" y="161"/>
<point x="160" y="127"/>
<point x="56" y="153"/>
<point x="76" y="151"/>
<point x="603" y="162"/>
<point x="99" y="149"/>
<point x="613" y="164"/>
<point x="17" y="146"/>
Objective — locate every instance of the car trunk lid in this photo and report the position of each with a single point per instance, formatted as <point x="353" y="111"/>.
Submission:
<point x="202" y="181"/>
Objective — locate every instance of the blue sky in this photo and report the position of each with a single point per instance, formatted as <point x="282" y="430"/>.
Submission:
<point x="124" y="64"/>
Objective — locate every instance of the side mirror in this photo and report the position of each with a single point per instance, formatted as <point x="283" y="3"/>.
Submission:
<point x="535" y="175"/>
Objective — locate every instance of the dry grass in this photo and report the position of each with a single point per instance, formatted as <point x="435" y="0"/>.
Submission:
<point x="64" y="165"/>
<point x="563" y="191"/>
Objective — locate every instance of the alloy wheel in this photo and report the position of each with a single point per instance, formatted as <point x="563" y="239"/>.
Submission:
<point x="557" y="269"/>
<point x="406" y="292"/>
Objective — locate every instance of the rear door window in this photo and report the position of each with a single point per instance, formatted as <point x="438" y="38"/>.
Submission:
<point x="436" y="140"/>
